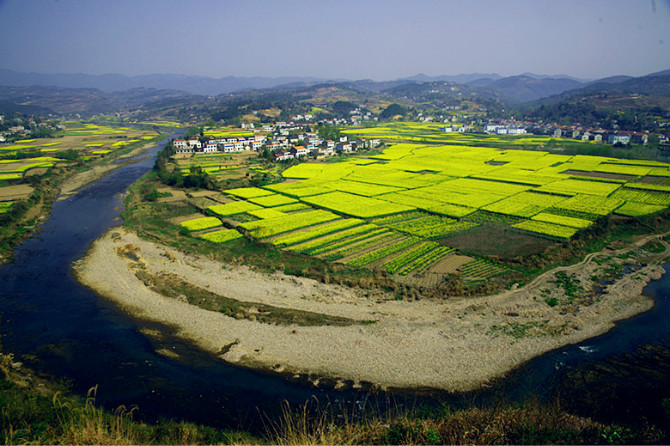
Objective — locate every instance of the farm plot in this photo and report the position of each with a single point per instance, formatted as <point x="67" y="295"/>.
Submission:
<point x="361" y="245"/>
<point x="316" y="231"/>
<point x="524" y="204"/>
<point x="589" y="205"/>
<point x="222" y="236"/>
<point x="384" y="251"/>
<point x="407" y="210"/>
<point x="573" y="187"/>
<point x="338" y="240"/>
<point x="642" y="196"/>
<point x="200" y="224"/>
<point x="425" y="225"/>
<point x="547" y="229"/>
<point x="634" y="209"/>
<point x="5" y="206"/>
<point x="287" y="222"/>
<point x="416" y="259"/>
<point x="480" y="269"/>
<point x="355" y="205"/>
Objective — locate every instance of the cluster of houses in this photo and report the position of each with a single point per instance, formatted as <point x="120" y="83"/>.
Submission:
<point x="579" y="133"/>
<point x="22" y="128"/>
<point x="224" y="145"/>
<point x="504" y="128"/>
<point x="324" y="148"/>
<point x="590" y="134"/>
<point x="284" y="147"/>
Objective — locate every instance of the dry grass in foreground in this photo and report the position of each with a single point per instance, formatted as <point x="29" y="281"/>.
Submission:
<point x="531" y="423"/>
<point x="34" y="411"/>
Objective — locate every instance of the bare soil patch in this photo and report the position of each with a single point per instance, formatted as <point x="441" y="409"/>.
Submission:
<point x="609" y="176"/>
<point x="650" y="179"/>
<point x="183" y="218"/>
<point x="17" y="192"/>
<point x="487" y="240"/>
<point x="38" y="171"/>
<point x="175" y="194"/>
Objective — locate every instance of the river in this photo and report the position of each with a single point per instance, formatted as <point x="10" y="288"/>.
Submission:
<point x="62" y="329"/>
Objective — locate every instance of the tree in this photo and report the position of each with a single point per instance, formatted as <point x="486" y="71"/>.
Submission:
<point x="327" y="131"/>
<point x="392" y="110"/>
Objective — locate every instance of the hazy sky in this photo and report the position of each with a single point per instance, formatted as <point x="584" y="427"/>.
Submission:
<point x="358" y="39"/>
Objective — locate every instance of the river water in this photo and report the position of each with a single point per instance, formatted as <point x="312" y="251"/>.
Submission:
<point x="57" y="327"/>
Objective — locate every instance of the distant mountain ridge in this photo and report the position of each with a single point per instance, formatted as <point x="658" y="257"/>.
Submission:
<point x="198" y="85"/>
<point x="525" y="88"/>
<point x="208" y="86"/>
<point x="94" y="94"/>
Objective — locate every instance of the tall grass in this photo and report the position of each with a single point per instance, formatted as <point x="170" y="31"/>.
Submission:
<point x="530" y="423"/>
<point x="34" y="411"/>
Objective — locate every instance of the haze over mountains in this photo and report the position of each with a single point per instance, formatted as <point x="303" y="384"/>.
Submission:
<point x="516" y="89"/>
<point x="93" y="94"/>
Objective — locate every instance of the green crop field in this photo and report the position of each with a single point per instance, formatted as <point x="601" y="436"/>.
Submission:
<point x="399" y="211"/>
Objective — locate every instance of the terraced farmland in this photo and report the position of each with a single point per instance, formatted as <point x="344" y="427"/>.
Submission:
<point x="398" y="211"/>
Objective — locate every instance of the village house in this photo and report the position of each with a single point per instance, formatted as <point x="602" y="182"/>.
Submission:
<point x="343" y="148"/>
<point x="326" y="150"/>
<point x="614" y="138"/>
<point x="211" y="147"/>
<point x="283" y="155"/>
<point x="194" y="143"/>
<point x="299" y="151"/>
<point x="181" y="147"/>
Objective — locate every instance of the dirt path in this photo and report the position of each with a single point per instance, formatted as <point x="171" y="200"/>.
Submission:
<point x="453" y="344"/>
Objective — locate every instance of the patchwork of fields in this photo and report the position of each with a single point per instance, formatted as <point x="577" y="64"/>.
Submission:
<point x="81" y="142"/>
<point x="398" y="210"/>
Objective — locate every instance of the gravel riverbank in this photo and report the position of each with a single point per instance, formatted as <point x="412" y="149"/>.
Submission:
<point x="457" y="344"/>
